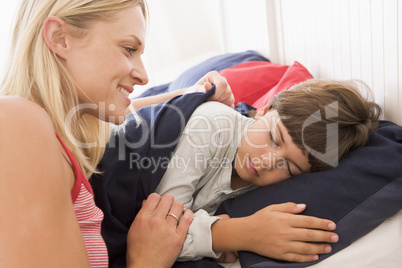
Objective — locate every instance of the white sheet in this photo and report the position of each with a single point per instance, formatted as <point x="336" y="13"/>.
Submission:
<point x="380" y="248"/>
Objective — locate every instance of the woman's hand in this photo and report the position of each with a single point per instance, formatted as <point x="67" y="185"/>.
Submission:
<point x="276" y="232"/>
<point x="155" y="238"/>
<point x="223" y="93"/>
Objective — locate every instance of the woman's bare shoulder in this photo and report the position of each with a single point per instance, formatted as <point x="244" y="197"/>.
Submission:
<point x="14" y="107"/>
<point x="26" y="128"/>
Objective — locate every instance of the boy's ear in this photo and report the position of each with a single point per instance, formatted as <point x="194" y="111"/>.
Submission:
<point x="261" y="112"/>
<point x="54" y="33"/>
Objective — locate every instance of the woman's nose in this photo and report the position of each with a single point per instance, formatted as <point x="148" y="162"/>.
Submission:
<point x="139" y="73"/>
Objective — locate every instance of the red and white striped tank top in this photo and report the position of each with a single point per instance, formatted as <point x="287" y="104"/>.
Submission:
<point x="89" y="216"/>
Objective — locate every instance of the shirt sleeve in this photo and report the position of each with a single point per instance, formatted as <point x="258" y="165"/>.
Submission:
<point x="185" y="175"/>
<point x="182" y="179"/>
<point x="198" y="242"/>
<point x="186" y="169"/>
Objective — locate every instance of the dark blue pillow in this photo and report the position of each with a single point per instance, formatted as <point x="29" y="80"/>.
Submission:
<point x="192" y="75"/>
<point x="358" y="195"/>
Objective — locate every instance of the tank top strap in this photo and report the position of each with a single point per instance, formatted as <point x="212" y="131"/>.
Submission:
<point x="79" y="174"/>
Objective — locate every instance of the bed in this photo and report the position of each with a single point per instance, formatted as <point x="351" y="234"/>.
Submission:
<point x="363" y="194"/>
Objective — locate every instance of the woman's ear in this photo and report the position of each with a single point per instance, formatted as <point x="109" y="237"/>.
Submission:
<point x="54" y="33"/>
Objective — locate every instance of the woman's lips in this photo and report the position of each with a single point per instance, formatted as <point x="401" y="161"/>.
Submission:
<point x="251" y="168"/>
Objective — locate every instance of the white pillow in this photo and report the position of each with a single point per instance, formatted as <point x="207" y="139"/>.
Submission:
<point x="380" y="248"/>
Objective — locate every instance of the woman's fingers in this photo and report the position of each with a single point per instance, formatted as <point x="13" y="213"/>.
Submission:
<point x="184" y="223"/>
<point x="173" y="216"/>
<point x="164" y="205"/>
<point x="155" y="237"/>
<point x="180" y="218"/>
<point x="151" y="203"/>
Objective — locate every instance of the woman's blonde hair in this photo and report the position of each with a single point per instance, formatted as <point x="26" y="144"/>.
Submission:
<point x="34" y="72"/>
<point x="327" y="118"/>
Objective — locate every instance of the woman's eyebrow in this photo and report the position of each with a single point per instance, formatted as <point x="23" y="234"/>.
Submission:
<point x="136" y="39"/>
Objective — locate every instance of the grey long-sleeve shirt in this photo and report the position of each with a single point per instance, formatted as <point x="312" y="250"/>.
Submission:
<point x="199" y="172"/>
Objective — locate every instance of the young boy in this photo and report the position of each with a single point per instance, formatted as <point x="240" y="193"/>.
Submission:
<point x="222" y="154"/>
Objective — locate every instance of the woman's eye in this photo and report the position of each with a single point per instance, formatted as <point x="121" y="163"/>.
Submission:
<point x="130" y="50"/>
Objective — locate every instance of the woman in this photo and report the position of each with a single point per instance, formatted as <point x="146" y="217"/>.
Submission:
<point x="72" y="66"/>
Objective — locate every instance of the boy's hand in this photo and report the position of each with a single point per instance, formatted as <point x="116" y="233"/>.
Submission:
<point x="223" y="92"/>
<point x="277" y="232"/>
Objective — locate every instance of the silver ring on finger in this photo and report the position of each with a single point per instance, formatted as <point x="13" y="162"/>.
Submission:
<point x="174" y="216"/>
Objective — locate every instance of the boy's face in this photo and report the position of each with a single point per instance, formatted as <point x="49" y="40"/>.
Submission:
<point x="267" y="153"/>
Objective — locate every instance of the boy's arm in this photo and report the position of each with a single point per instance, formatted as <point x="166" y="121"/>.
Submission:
<point x="187" y="169"/>
<point x="223" y="93"/>
<point x="183" y="173"/>
<point x="275" y="232"/>
<point x="146" y="101"/>
<point x="180" y="180"/>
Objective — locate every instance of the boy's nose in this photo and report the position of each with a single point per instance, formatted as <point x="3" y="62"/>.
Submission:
<point x="267" y="161"/>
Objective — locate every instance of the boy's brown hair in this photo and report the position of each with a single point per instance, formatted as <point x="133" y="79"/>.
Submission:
<point x="327" y="118"/>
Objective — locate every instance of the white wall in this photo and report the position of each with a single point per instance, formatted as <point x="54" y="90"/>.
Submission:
<point x="346" y="39"/>
<point x="338" y="39"/>
<point x="8" y="10"/>
<point x="183" y="33"/>
<point x="180" y="34"/>
<point x="341" y="39"/>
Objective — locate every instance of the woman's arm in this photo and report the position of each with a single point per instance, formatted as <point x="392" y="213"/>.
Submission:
<point x="275" y="232"/>
<point x="223" y="93"/>
<point x="38" y="227"/>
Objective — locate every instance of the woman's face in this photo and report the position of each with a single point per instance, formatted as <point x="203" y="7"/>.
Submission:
<point x="267" y="153"/>
<point x="106" y="63"/>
